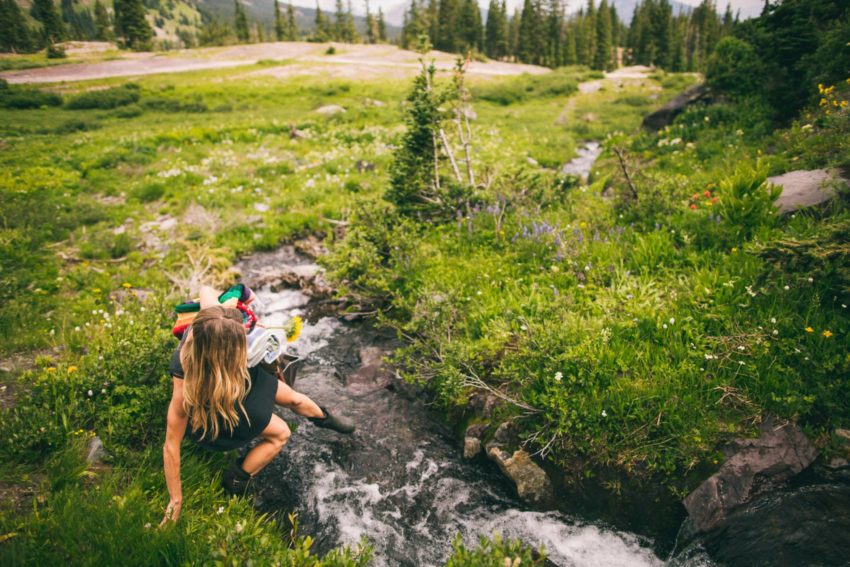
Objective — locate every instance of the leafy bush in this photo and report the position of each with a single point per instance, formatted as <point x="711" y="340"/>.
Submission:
<point x="164" y="104"/>
<point x="105" y="99"/>
<point x="494" y="552"/>
<point x="55" y="51"/>
<point x="23" y="98"/>
<point x="734" y="68"/>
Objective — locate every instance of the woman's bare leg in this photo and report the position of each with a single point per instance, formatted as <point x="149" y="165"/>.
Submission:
<point x="296" y="401"/>
<point x="275" y="436"/>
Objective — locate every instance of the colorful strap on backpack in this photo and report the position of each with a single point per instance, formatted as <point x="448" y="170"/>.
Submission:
<point x="238" y="296"/>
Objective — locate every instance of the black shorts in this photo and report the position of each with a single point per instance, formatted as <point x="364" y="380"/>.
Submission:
<point x="259" y="404"/>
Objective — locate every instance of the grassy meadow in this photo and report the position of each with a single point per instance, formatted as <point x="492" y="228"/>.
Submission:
<point x="631" y="335"/>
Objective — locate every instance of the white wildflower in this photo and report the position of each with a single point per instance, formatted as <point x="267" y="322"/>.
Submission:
<point x="558" y="376"/>
<point x="604" y="414"/>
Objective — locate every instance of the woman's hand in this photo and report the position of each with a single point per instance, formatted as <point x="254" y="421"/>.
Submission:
<point x="172" y="512"/>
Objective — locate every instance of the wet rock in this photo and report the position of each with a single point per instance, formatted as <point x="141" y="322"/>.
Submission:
<point x="505" y="434"/>
<point x="95" y="452"/>
<point x="471" y="447"/>
<point x="372" y="374"/>
<point x="311" y="246"/>
<point x="802" y="189"/>
<point x="532" y="483"/>
<point x="482" y="404"/>
<point x="330" y="109"/>
<point x="665" y="115"/>
<point x="753" y="465"/>
<point x="476" y="430"/>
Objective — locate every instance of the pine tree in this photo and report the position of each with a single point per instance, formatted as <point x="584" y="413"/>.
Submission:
<point x="470" y="31"/>
<point x="447" y="15"/>
<point x="513" y="35"/>
<point x="131" y="24"/>
<point x="323" y="30"/>
<point x="527" y="33"/>
<point x="491" y="30"/>
<point x="14" y="31"/>
<point x="554" y="34"/>
<point x="570" y="57"/>
<point x="371" y="26"/>
<point x="382" y="26"/>
<point x="350" y="31"/>
<point x="240" y="20"/>
<point x="291" y="28"/>
<point x="433" y="21"/>
<point x="339" y="22"/>
<point x="279" y="28"/>
<point x="103" y="30"/>
<point x="52" y="28"/>
<point x="602" y="59"/>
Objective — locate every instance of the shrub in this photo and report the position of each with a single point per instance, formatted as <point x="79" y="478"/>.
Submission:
<point x="105" y="99"/>
<point x="56" y="51"/>
<point x="734" y="68"/>
<point x="494" y="552"/>
<point x="21" y="98"/>
<point x="76" y="125"/>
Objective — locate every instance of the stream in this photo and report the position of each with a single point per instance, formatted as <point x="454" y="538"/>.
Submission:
<point x="400" y="480"/>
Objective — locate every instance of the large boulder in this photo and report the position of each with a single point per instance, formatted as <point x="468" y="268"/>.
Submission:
<point x="665" y="115"/>
<point x="532" y="482"/>
<point x="802" y="189"/>
<point x="753" y="465"/>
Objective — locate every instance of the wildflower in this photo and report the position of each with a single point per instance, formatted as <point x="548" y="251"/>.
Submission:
<point x="555" y="269"/>
<point x="220" y="510"/>
<point x="604" y="414"/>
<point x="239" y="527"/>
<point x="558" y="376"/>
<point x="664" y="325"/>
<point x="72" y="369"/>
<point x="707" y="194"/>
<point x="734" y="249"/>
<point x="775" y="332"/>
<point x="773" y="320"/>
<point x="293" y="329"/>
<point x="126" y="285"/>
<point x="786" y="288"/>
<point x="741" y="362"/>
<point x="90" y="393"/>
<point x="672" y="320"/>
<point x="826" y="334"/>
<point x="695" y="197"/>
<point x="693" y="207"/>
<point x="811" y="280"/>
<point x="148" y="526"/>
<point x="51" y="369"/>
<point x="742" y="347"/>
<point x="809" y="330"/>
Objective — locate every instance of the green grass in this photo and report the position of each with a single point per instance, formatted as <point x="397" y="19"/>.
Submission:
<point x="622" y="325"/>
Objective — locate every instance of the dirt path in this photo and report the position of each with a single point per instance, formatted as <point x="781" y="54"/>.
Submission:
<point x="349" y="61"/>
<point x="619" y="76"/>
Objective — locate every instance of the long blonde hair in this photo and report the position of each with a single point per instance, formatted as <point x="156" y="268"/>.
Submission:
<point x="215" y="366"/>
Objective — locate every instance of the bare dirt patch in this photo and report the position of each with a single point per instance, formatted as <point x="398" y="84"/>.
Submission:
<point x="349" y="61"/>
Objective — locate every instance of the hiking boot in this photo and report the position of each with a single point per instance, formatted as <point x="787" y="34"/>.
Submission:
<point x="235" y="480"/>
<point x="337" y="423"/>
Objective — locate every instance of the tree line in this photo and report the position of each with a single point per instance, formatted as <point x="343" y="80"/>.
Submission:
<point x="126" y="24"/>
<point x="540" y="32"/>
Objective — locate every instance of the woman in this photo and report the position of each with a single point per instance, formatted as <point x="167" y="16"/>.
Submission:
<point x="222" y="404"/>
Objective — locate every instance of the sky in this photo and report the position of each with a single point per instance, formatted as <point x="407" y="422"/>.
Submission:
<point x="747" y="7"/>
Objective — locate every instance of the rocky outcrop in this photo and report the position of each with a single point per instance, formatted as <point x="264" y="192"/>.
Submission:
<point x="665" y="115"/>
<point x="752" y="465"/>
<point x="372" y="374"/>
<point x="532" y="483"/>
<point x="801" y="189"/>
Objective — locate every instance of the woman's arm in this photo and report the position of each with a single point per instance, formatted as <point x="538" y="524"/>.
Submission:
<point x="174" y="432"/>
<point x="209" y="296"/>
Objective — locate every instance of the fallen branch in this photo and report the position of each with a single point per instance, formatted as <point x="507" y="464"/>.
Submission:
<point x="622" y="160"/>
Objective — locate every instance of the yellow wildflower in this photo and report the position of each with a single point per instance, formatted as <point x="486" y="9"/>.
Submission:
<point x="126" y="285"/>
<point x="827" y="334"/>
<point x="72" y="369"/>
<point x="823" y="102"/>
<point x="96" y="290"/>
<point x="293" y="329"/>
<point x="809" y="330"/>
<point x="734" y="249"/>
<point x="51" y="369"/>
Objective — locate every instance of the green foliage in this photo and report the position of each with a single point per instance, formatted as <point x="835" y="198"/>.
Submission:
<point x="22" y="98"/>
<point x="527" y="87"/>
<point x="55" y="51"/>
<point x="494" y="552"/>
<point x="734" y="68"/>
<point x="105" y="99"/>
<point x="413" y="173"/>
